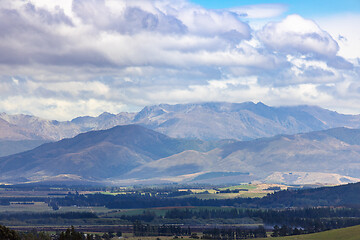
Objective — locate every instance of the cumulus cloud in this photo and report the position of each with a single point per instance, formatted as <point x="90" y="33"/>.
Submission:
<point x="65" y="58"/>
<point x="127" y="19"/>
<point x="342" y="27"/>
<point x="295" y="34"/>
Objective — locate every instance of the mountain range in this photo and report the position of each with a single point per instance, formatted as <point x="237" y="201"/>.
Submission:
<point x="97" y="155"/>
<point x="134" y="154"/>
<point x="203" y="121"/>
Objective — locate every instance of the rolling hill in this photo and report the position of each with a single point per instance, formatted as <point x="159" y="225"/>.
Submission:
<point x="329" y="156"/>
<point x="96" y="155"/>
<point x="133" y="153"/>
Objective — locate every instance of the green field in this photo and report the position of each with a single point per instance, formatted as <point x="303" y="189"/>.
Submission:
<point x="36" y="207"/>
<point x="43" y="207"/>
<point x="350" y="233"/>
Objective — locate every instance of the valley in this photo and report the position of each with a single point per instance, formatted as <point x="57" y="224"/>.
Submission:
<point x="100" y="210"/>
<point x="154" y="174"/>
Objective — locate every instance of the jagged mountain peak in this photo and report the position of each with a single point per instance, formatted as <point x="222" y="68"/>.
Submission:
<point x="247" y="120"/>
<point x="106" y="115"/>
<point x="204" y="120"/>
<point x="217" y="106"/>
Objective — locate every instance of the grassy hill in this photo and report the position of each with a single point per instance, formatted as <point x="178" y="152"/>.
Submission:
<point x="350" y="233"/>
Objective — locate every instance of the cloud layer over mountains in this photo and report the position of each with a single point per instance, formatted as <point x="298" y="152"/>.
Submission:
<point x="64" y="58"/>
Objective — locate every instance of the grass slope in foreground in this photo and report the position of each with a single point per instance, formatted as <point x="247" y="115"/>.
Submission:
<point x="349" y="233"/>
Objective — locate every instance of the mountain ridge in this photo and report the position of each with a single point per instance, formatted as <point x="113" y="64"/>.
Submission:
<point x="204" y="121"/>
<point x="132" y="153"/>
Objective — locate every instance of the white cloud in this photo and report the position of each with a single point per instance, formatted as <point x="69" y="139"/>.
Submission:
<point x="64" y="58"/>
<point x="60" y="109"/>
<point x="343" y="27"/>
<point x="296" y="34"/>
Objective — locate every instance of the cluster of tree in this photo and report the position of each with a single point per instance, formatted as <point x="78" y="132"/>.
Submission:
<point x="176" y="193"/>
<point x="309" y="219"/>
<point x="290" y="216"/>
<point x="232" y="191"/>
<point x="324" y="224"/>
<point x="234" y="233"/>
<point x="146" y="216"/>
<point x="69" y="234"/>
<point x="72" y="234"/>
<point x="9" y="234"/>
<point x="140" y="229"/>
<point x="7" y="200"/>
<point x="286" y="231"/>
<point x="6" y="233"/>
<point x="313" y="226"/>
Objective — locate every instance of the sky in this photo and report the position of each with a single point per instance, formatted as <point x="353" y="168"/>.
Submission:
<point x="61" y="59"/>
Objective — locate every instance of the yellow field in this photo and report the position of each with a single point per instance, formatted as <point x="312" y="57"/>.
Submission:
<point x="246" y="191"/>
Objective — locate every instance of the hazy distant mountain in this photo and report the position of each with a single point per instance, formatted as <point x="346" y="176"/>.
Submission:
<point x="10" y="132"/>
<point x="40" y="128"/>
<point x="53" y="130"/>
<point x="16" y="128"/>
<point x="133" y="153"/>
<point x="103" y="121"/>
<point x="241" y="121"/>
<point x="95" y="155"/>
<point x="14" y="139"/>
<point x="205" y="121"/>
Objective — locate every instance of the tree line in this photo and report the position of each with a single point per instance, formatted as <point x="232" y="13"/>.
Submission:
<point x="69" y="234"/>
<point x="308" y="219"/>
<point x="225" y="233"/>
<point x="346" y="195"/>
<point x="234" y="233"/>
<point x="289" y="216"/>
<point x="140" y="229"/>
